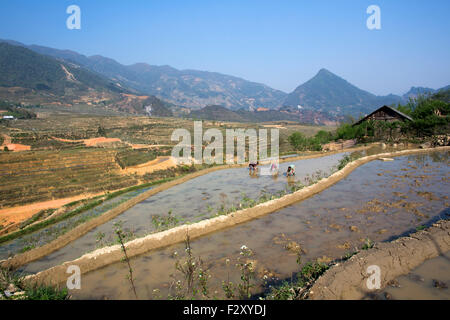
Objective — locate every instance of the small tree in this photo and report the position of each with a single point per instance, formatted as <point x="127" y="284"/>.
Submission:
<point x="298" y="141"/>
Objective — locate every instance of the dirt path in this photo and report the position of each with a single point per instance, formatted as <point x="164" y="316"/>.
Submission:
<point x="6" y="139"/>
<point x="353" y="280"/>
<point x="11" y="216"/>
<point x="160" y="163"/>
<point x="92" y="142"/>
<point x="7" y="142"/>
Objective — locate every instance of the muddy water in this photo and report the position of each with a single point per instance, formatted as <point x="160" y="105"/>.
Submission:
<point x="50" y="233"/>
<point x="379" y="201"/>
<point x="429" y="281"/>
<point x="192" y="201"/>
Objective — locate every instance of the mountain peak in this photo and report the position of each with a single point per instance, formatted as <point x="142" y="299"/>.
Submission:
<point x="325" y="73"/>
<point x="328" y="92"/>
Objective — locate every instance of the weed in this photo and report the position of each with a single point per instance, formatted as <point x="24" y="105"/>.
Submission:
<point x="195" y="276"/>
<point x="368" y="244"/>
<point x="247" y="269"/>
<point x="120" y="239"/>
<point x="165" y="222"/>
<point x="14" y="287"/>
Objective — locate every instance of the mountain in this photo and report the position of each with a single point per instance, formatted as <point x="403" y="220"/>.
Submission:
<point x="416" y="91"/>
<point x="442" y="94"/>
<point x="220" y="113"/>
<point x="216" y="112"/>
<point x="24" y="68"/>
<point x="186" y="88"/>
<point x="27" y="76"/>
<point x="329" y="93"/>
<point x="326" y="96"/>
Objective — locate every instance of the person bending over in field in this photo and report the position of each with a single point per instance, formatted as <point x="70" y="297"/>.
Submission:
<point x="253" y="166"/>
<point x="290" y="171"/>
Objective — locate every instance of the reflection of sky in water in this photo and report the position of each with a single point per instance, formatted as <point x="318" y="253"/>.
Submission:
<point x="420" y="282"/>
<point x="191" y="201"/>
<point x="320" y="224"/>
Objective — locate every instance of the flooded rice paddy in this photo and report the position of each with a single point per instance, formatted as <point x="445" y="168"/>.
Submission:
<point x="378" y="201"/>
<point x="197" y="199"/>
<point x="429" y="281"/>
<point x="51" y="232"/>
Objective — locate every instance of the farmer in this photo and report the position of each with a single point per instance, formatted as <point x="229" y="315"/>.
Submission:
<point x="253" y="166"/>
<point x="290" y="171"/>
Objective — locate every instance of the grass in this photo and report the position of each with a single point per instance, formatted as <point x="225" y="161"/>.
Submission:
<point x="368" y="244"/>
<point x="27" y="290"/>
<point x="162" y="223"/>
<point x="297" y="289"/>
<point x="130" y="157"/>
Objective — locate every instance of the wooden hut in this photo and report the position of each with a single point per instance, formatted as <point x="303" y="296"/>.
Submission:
<point x="385" y="113"/>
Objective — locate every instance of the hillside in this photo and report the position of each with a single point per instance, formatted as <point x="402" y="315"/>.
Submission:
<point x="30" y="77"/>
<point x="187" y="88"/>
<point x="98" y="80"/>
<point x="26" y="69"/>
<point x="329" y="93"/>
<point x="216" y="112"/>
<point x="414" y="92"/>
<point x="220" y="113"/>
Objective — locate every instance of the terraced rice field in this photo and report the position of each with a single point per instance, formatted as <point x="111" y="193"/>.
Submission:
<point x="44" y="175"/>
<point x="329" y="225"/>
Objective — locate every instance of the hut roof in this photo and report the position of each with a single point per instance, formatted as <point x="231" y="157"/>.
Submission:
<point x="389" y="110"/>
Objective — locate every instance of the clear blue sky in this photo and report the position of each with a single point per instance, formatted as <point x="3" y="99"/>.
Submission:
<point x="279" y="43"/>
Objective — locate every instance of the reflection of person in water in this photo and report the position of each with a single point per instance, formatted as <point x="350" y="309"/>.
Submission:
<point x="274" y="169"/>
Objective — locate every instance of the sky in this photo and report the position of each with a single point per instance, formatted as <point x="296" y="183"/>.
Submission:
<point x="279" y="43"/>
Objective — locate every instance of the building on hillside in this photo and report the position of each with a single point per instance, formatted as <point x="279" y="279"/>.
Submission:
<point x="386" y="114"/>
<point x="8" y="117"/>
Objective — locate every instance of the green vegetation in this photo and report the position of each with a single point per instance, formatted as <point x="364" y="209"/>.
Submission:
<point x="347" y="159"/>
<point x="14" y="287"/>
<point x="46" y="293"/>
<point x="431" y="117"/>
<point x="18" y="111"/>
<point x="368" y="244"/>
<point x="297" y="289"/>
<point x="162" y="223"/>
<point x="430" y="114"/>
<point x="129" y="157"/>
<point x="194" y="276"/>
<point x="302" y="143"/>
<point x="24" y="68"/>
